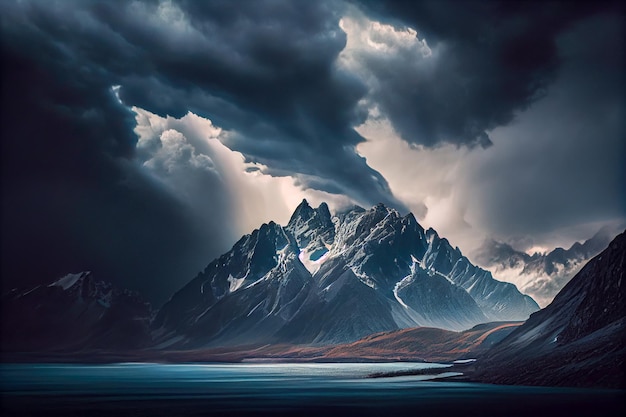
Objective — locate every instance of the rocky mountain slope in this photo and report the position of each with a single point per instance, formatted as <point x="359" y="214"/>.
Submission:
<point x="73" y="313"/>
<point x="579" y="339"/>
<point x="413" y="344"/>
<point x="331" y="279"/>
<point x="319" y="280"/>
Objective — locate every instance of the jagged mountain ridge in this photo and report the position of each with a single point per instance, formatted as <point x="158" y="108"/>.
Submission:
<point x="579" y="339"/>
<point x="333" y="279"/>
<point x="503" y="255"/>
<point x="542" y="275"/>
<point x="72" y="313"/>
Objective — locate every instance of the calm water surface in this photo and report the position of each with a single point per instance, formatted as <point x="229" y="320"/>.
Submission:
<point x="277" y="389"/>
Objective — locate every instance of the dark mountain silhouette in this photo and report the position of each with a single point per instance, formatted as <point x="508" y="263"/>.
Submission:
<point x="319" y="280"/>
<point x="578" y="340"/>
<point x="73" y="313"/>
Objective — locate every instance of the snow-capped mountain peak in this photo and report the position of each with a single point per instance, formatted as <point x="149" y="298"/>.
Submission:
<point x="541" y="275"/>
<point x="324" y="278"/>
<point x="314" y="233"/>
<point x="69" y="280"/>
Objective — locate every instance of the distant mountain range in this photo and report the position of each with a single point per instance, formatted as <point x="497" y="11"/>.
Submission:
<point x="73" y="313"/>
<point x="360" y="285"/>
<point x="541" y="275"/>
<point x="320" y="279"/>
<point x="333" y="279"/>
<point x="579" y="339"/>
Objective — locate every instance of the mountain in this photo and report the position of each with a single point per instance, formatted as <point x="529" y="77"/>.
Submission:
<point x="413" y="344"/>
<point x="325" y="279"/>
<point x="72" y="313"/>
<point x="543" y="274"/>
<point x="246" y="294"/>
<point x="314" y="233"/>
<point x="579" y="339"/>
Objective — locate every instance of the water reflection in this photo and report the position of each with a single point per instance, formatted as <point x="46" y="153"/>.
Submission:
<point x="192" y="389"/>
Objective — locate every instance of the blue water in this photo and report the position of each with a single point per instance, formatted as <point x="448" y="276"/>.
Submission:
<point x="140" y="389"/>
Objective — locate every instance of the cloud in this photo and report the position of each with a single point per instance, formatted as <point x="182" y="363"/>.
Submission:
<point x="134" y="132"/>
<point x="449" y="72"/>
<point x="216" y="184"/>
<point x="266" y="72"/>
<point x="73" y="199"/>
<point x="552" y="177"/>
<point x="76" y="196"/>
<point x="430" y="181"/>
<point x="543" y="274"/>
<point x="561" y="164"/>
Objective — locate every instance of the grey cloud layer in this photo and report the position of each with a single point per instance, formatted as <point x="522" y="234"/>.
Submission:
<point x="568" y="168"/>
<point x="75" y="200"/>
<point x="73" y="195"/>
<point x="493" y="59"/>
<point x="71" y="198"/>
<point x="264" y="69"/>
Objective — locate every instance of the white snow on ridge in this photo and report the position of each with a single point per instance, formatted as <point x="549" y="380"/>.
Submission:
<point x="395" y="290"/>
<point x="363" y="277"/>
<point x="312" y="266"/>
<point x="254" y="308"/>
<point x="235" y="283"/>
<point x="34" y="289"/>
<point x="67" y="281"/>
<point x="414" y="262"/>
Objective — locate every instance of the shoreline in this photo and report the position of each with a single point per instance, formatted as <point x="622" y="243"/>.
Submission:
<point x="463" y="372"/>
<point x="198" y="356"/>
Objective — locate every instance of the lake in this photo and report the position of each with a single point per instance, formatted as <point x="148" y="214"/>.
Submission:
<point x="321" y="389"/>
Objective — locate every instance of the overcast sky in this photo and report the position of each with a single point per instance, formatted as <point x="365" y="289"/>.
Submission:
<point x="141" y="139"/>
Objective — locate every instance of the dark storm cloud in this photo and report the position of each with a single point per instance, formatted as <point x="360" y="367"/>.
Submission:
<point x="265" y="69"/>
<point x="568" y="168"/>
<point x="74" y="199"/>
<point x="71" y="197"/>
<point x="492" y="59"/>
<point x="74" y="196"/>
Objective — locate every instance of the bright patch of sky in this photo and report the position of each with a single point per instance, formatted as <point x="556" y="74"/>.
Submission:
<point x="187" y="156"/>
